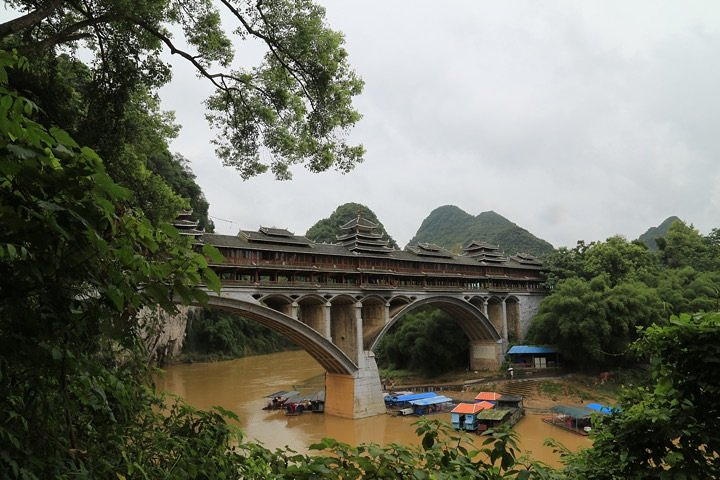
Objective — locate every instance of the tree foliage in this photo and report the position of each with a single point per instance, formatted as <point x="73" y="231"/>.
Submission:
<point x="212" y="332"/>
<point x="294" y="107"/>
<point x="429" y="342"/>
<point x="603" y="291"/>
<point x="593" y="323"/>
<point x="668" y="429"/>
<point x="76" y="264"/>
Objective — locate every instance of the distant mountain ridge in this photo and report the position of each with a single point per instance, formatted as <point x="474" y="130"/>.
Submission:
<point x="652" y="233"/>
<point x="453" y="228"/>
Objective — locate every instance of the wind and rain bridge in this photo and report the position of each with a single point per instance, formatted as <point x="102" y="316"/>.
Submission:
<point x="338" y="300"/>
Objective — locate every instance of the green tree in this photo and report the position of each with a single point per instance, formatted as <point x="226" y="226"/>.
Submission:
<point x="295" y="105"/>
<point x="211" y="332"/>
<point x="668" y="429"/>
<point x="76" y="264"/>
<point x="683" y="246"/>
<point x="592" y="323"/>
<point x="429" y="342"/>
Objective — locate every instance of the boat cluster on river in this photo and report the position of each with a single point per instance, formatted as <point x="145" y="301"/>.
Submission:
<point x="485" y="412"/>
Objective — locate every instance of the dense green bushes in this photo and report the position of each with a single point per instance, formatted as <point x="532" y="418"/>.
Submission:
<point x="216" y="334"/>
<point x="428" y="342"/>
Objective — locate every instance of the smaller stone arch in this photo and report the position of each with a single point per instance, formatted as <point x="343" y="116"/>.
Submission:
<point x="397" y="303"/>
<point x="375" y="314"/>
<point x="514" y="323"/>
<point x="314" y="311"/>
<point x="281" y="303"/>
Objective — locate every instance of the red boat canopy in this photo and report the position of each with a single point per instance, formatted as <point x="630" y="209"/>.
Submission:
<point x="488" y="396"/>
<point x="471" y="408"/>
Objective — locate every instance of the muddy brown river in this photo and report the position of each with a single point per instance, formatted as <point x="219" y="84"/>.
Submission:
<point x="241" y="385"/>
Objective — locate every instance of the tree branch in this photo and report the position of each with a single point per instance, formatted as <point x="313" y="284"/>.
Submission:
<point x="273" y="46"/>
<point x="217" y="79"/>
<point x="28" y="20"/>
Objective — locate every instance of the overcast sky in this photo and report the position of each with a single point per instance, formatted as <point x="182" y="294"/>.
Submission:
<point x="575" y="120"/>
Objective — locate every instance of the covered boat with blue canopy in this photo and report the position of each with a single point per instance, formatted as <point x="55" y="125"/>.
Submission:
<point x="437" y="404"/>
<point x="403" y="401"/>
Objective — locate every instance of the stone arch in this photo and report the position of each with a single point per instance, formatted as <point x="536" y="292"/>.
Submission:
<point x="478" y="301"/>
<point x="279" y="302"/>
<point x="512" y="307"/>
<point x="397" y="303"/>
<point x="374" y="316"/>
<point x="328" y="355"/>
<point x="469" y="318"/>
<point x="494" y="312"/>
<point x="345" y="324"/>
<point x="313" y="310"/>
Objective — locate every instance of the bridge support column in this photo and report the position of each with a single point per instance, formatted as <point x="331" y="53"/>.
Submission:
<point x="294" y="310"/>
<point x="327" y="331"/>
<point x="359" y="332"/>
<point x="358" y="395"/>
<point x="386" y="314"/>
<point x="504" y="326"/>
<point x="484" y="308"/>
<point x="486" y="354"/>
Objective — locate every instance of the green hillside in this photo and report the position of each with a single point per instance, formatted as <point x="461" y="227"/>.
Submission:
<point x="326" y="229"/>
<point x="452" y="228"/>
<point x="652" y="233"/>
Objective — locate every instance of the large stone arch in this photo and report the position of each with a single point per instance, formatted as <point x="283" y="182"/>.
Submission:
<point x="328" y="355"/>
<point x="470" y="319"/>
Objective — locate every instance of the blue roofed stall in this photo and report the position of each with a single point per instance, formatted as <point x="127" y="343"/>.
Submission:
<point x="533" y="356"/>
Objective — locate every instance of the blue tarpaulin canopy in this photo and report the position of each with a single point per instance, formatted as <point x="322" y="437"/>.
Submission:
<point x="432" y="400"/>
<point x="530" y="349"/>
<point x="409" y="397"/>
<point x="599" y="408"/>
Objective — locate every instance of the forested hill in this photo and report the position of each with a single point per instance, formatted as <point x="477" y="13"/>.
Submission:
<point x="325" y="230"/>
<point x="653" y="233"/>
<point x="452" y="228"/>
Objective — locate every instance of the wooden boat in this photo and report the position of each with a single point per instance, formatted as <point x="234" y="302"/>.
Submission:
<point x="484" y="415"/>
<point x="309" y="403"/>
<point x="573" y="419"/>
<point x="397" y="402"/>
<point x="277" y="400"/>
<point x="436" y="404"/>
<point x="464" y="415"/>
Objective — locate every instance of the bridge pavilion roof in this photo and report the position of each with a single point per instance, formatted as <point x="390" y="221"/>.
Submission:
<point x="250" y="240"/>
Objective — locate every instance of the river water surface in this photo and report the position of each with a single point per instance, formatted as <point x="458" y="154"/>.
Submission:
<point x="242" y="385"/>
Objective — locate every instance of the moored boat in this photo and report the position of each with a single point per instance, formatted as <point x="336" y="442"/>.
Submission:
<point x="484" y="415"/>
<point x="436" y="404"/>
<point x="277" y="400"/>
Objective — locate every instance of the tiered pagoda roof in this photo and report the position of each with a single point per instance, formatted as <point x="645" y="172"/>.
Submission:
<point x="360" y="235"/>
<point x="429" y="250"/>
<point x="526" y="259"/>
<point x="274" y="236"/>
<point x="185" y="225"/>
<point x="484" y="252"/>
